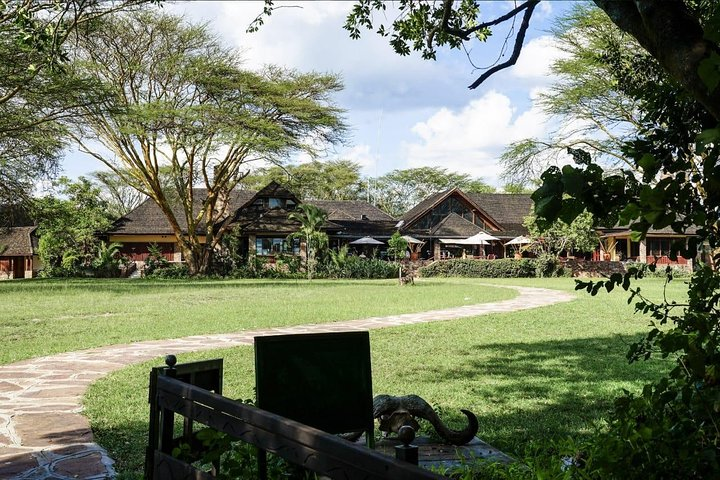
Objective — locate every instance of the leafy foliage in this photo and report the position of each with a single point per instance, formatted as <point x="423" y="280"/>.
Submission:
<point x="37" y="90"/>
<point x="669" y="430"/>
<point x="502" y="268"/>
<point x="593" y="111"/>
<point x="68" y="228"/>
<point x="107" y="260"/>
<point x="358" y="268"/>
<point x="311" y="219"/>
<point x="418" y="26"/>
<point x="333" y="180"/>
<point x="397" y="246"/>
<point x="579" y="235"/>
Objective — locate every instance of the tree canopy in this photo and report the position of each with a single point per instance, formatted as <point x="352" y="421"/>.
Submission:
<point x="68" y="226"/>
<point x="330" y="180"/>
<point x="181" y="102"/>
<point x="35" y="88"/>
<point x="593" y="112"/>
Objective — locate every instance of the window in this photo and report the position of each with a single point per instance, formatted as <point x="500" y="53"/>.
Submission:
<point x="276" y="203"/>
<point x="276" y="245"/>
<point x="658" y="246"/>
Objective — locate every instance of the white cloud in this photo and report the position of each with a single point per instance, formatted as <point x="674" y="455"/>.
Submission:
<point x="471" y="139"/>
<point x="536" y="58"/>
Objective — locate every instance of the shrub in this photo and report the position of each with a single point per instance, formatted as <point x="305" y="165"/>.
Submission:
<point x="356" y="267"/>
<point x="503" y="268"/>
<point x="155" y="260"/>
<point x="172" y="270"/>
<point x="286" y="266"/>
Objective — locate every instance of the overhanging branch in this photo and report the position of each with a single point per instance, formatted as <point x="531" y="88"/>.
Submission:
<point x="530" y="7"/>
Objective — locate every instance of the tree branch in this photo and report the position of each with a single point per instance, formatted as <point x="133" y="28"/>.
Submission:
<point x="530" y="7"/>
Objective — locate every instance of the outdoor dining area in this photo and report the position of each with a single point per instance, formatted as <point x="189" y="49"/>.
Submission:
<point x="481" y="246"/>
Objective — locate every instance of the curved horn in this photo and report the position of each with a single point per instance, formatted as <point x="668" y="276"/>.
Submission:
<point x="383" y="404"/>
<point x="418" y="407"/>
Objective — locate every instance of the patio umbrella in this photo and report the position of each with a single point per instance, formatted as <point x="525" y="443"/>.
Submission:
<point x="519" y="240"/>
<point x="366" y="241"/>
<point x="471" y="241"/>
<point x="480" y="236"/>
<point x="410" y="239"/>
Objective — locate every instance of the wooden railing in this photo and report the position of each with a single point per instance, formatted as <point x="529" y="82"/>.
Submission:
<point x="297" y="443"/>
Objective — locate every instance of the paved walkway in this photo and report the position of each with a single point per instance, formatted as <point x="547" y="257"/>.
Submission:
<point x="43" y="435"/>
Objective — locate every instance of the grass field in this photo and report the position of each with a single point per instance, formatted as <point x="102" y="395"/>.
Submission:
<point x="550" y="372"/>
<point x="51" y="316"/>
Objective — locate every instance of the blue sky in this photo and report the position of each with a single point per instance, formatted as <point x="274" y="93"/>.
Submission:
<point x="403" y="112"/>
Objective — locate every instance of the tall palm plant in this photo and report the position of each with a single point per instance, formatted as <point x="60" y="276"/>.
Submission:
<point x="311" y="219"/>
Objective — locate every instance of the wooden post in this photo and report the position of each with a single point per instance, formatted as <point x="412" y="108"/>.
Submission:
<point x="167" y="417"/>
<point x="407" y="452"/>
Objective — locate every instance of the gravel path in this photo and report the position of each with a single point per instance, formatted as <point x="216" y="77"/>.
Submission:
<point x="43" y="434"/>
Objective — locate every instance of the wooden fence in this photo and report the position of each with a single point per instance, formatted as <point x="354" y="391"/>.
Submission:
<point x="297" y="443"/>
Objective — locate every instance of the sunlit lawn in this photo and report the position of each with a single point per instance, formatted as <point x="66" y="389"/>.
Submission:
<point x="43" y="317"/>
<point x="550" y="372"/>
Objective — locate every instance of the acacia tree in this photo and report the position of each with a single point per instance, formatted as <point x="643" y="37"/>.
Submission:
<point x="180" y="102"/>
<point x="593" y="111"/>
<point x="35" y="89"/>
<point x="311" y="219"/>
<point x="315" y="180"/>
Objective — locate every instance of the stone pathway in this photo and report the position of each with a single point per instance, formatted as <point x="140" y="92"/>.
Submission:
<point x="43" y="434"/>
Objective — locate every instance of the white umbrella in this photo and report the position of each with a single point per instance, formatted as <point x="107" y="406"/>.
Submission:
<point x="458" y="241"/>
<point x="366" y="241"/>
<point x="472" y="241"/>
<point x="484" y="237"/>
<point x="410" y="239"/>
<point x="519" y="240"/>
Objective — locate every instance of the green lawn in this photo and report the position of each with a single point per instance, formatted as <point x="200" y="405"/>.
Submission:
<point x="51" y="316"/>
<point x="550" y="372"/>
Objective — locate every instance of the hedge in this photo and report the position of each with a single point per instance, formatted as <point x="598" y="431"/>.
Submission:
<point x="502" y="268"/>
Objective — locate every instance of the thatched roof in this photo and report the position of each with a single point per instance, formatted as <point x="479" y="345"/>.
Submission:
<point x="345" y="217"/>
<point x="17" y="241"/>
<point x="149" y="219"/>
<point x="417" y="212"/>
<point x="422" y="207"/>
<point x="454" y="226"/>
<point x="508" y="209"/>
<point x="351" y="210"/>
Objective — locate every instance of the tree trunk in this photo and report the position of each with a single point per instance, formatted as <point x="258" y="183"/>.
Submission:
<point x="668" y="31"/>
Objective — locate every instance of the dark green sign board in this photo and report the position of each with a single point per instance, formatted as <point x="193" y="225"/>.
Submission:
<point x="322" y="380"/>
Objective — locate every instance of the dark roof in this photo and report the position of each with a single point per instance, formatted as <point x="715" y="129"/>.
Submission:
<point x="351" y="210"/>
<point x="17" y="241"/>
<point x="454" y="226"/>
<point x="508" y="209"/>
<point x="272" y="189"/>
<point x="344" y="216"/>
<point x="362" y="228"/>
<point x="423" y="206"/>
<point x="149" y="219"/>
<point x="430" y="202"/>
<point x="622" y="231"/>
